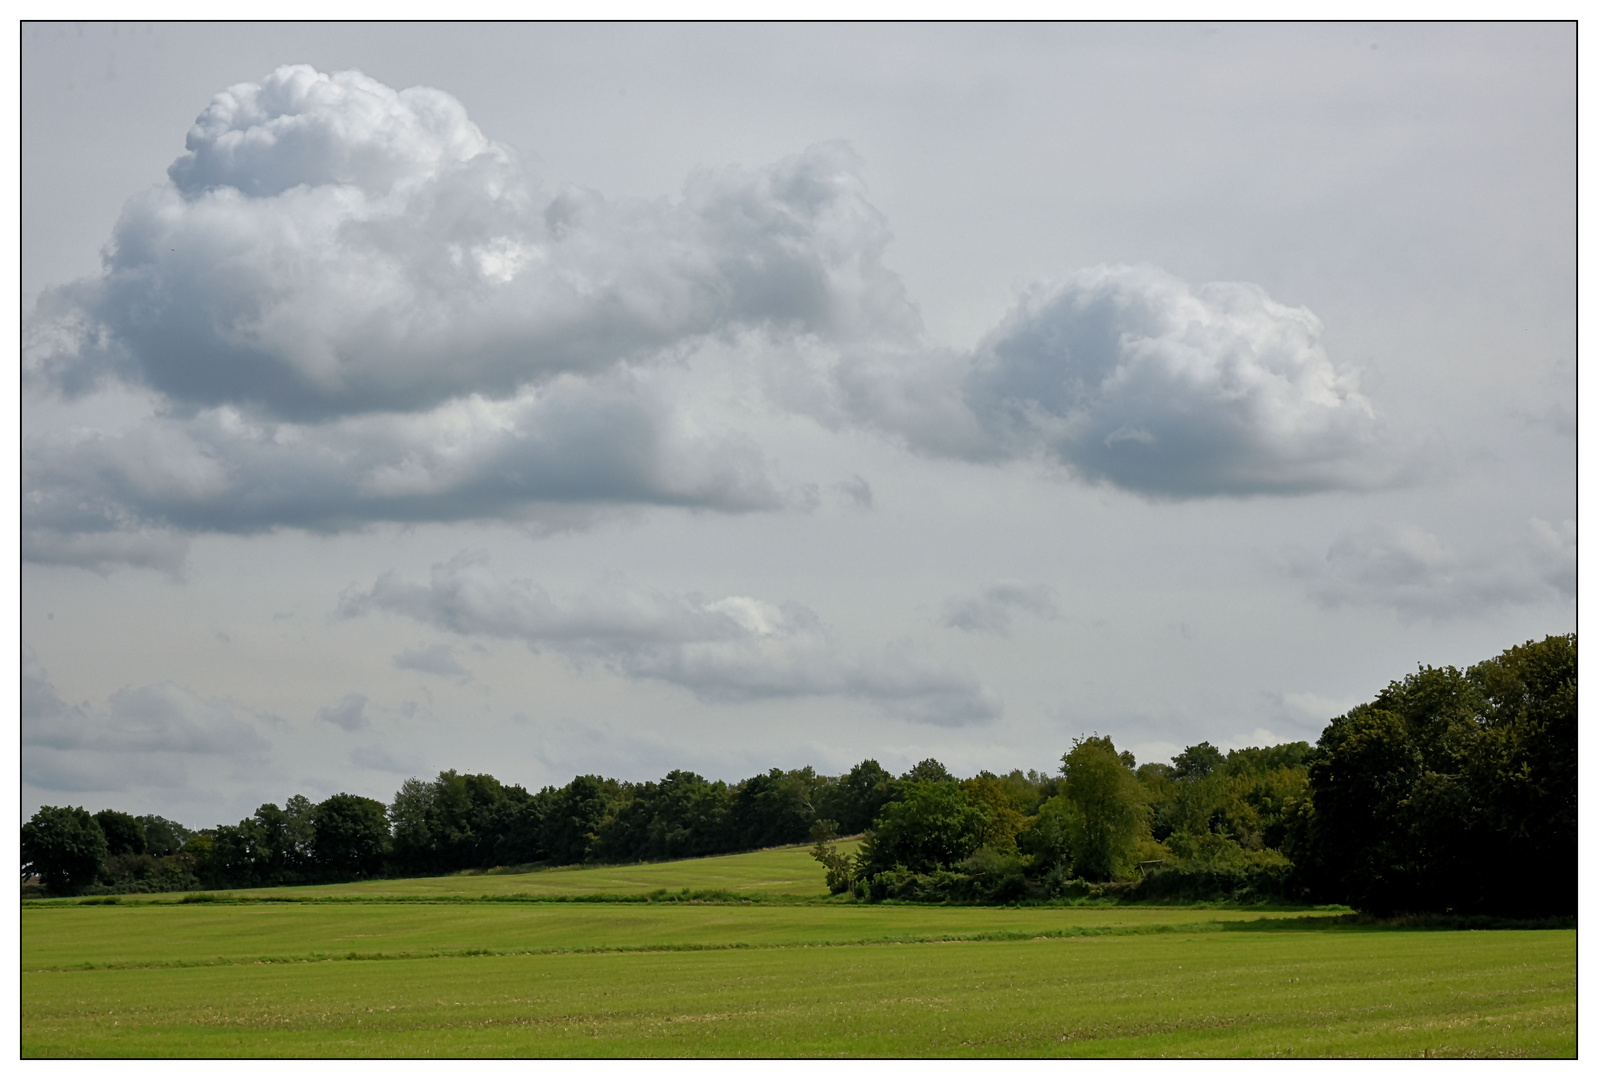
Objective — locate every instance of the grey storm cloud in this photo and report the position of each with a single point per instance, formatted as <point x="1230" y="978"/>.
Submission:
<point x="156" y="734"/>
<point x="992" y="610"/>
<point x="1413" y="572"/>
<point x="329" y="246"/>
<point x="1130" y="376"/>
<point x="735" y="648"/>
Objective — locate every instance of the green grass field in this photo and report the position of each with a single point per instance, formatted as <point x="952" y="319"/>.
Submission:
<point x="438" y="975"/>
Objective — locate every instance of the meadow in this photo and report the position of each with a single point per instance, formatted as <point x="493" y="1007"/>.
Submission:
<point x="485" y="965"/>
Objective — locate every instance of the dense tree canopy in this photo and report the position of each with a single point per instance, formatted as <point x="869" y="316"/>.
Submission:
<point x="64" y="846"/>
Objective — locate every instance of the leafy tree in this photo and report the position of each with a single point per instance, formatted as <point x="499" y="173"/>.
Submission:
<point x="842" y="870"/>
<point x="410" y="816"/>
<point x="927" y="769"/>
<point x="1114" y="808"/>
<point x="1196" y="761"/>
<point x="65" y="846"/>
<point x="773" y="808"/>
<point x="163" y="837"/>
<point x="1451" y="790"/>
<point x="1052" y="838"/>
<point x="124" y="833"/>
<point x="932" y="826"/>
<point x="241" y="856"/>
<point x="858" y="797"/>
<point x="568" y="833"/>
<point x="1004" y="818"/>
<point x="351" y="836"/>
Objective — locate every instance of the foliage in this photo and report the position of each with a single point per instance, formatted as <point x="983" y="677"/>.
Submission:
<point x="64" y="846"/>
<point x="932" y="826"/>
<point x="1114" y="810"/>
<point x="351" y="835"/>
<point x="124" y="833"/>
<point x="1450" y="791"/>
<point x="857" y="797"/>
<point x="163" y="837"/>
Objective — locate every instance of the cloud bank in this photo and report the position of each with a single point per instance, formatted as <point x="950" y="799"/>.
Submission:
<point x="735" y="648"/>
<point x="161" y="735"/>
<point x="348" y="305"/>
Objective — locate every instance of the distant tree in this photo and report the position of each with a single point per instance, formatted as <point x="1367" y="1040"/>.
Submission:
<point x="1113" y="805"/>
<point x="1196" y="762"/>
<point x="65" y="846"/>
<point x="1053" y="836"/>
<point x="932" y="826"/>
<point x="299" y="835"/>
<point x="927" y="769"/>
<point x="857" y="797"/>
<point x="163" y="837"/>
<point x="1004" y="818"/>
<point x="568" y="833"/>
<point x="773" y="808"/>
<point x="351" y="836"/>
<point x="241" y="856"/>
<point x="409" y="815"/>
<point x="124" y="833"/>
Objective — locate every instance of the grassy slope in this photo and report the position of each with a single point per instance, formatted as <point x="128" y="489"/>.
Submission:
<point x="784" y="871"/>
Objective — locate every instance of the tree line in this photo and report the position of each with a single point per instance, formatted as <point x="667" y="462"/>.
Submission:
<point x="1449" y="791"/>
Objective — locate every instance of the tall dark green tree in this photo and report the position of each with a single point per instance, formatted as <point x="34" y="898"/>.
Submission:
<point x="1113" y="806"/>
<point x="569" y="831"/>
<point x="163" y="837"/>
<point x="774" y="808"/>
<point x="932" y="826"/>
<point x="857" y="797"/>
<point x="65" y="847"/>
<point x="351" y="836"/>
<point x="1451" y="791"/>
<point x="124" y="833"/>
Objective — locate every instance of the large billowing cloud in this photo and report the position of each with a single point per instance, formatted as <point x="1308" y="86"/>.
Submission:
<point x="348" y="305"/>
<point x="734" y="648"/>
<point x="1130" y="376"/>
<point x="329" y="246"/>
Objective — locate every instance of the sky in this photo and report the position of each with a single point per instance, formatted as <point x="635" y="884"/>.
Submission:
<point x="554" y="399"/>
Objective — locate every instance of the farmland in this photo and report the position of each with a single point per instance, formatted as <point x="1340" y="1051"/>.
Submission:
<point x="429" y="967"/>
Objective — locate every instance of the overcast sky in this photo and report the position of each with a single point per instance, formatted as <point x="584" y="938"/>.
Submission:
<point x="544" y="400"/>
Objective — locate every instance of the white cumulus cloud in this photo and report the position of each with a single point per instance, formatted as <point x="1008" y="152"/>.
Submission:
<point x="1130" y="376"/>
<point x="329" y="245"/>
